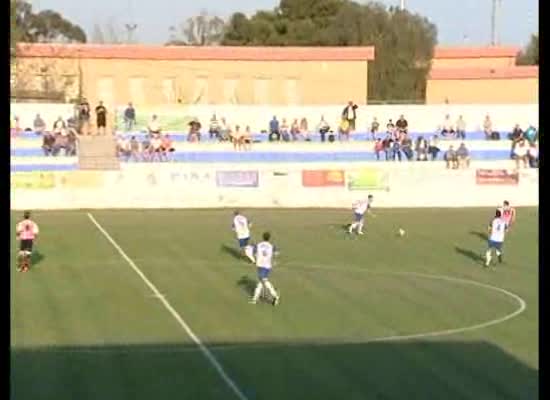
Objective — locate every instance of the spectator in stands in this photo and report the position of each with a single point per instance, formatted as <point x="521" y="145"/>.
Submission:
<point x="166" y="147"/>
<point x="433" y="147"/>
<point x="39" y="125"/>
<point x="323" y="128"/>
<point x="154" y="126"/>
<point x="378" y="148"/>
<point x="421" y="149"/>
<point x="406" y="147"/>
<point x="101" y="118"/>
<point x="194" y="134"/>
<point x="285" y="131"/>
<point x="84" y="118"/>
<point x="374" y="128"/>
<point x="461" y="128"/>
<point x="531" y="134"/>
<point x="48" y="141"/>
<point x="390" y="127"/>
<point x="214" y="128"/>
<point x="224" y="130"/>
<point x="463" y="155"/>
<point x="247" y="139"/>
<point x="274" y="132"/>
<point x="304" y="129"/>
<point x="146" y="148"/>
<point x="134" y="148"/>
<point x="488" y="127"/>
<point x="396" y="150"/>
<point x="156" y="147"/>
<point x="60" y="143"/>
<point x="130" y="117"/>
<point x="125" y="149"/>
<point x="237" y="138"/>
<point x="533" y="155"/>
<point x="295" y="130"/>
<point x="59" y="126"/>
<point x="447" y="128"/>
<point x="516" y="134"/>
<point x="344" y="130"/>
<point x="521" y="154"/>
<point x="349" y="114"/>
<point x="402" y="124"/>
<point x="451" y="158"/>
<point x="71" y="143"/>
<point x="387" y="145"/>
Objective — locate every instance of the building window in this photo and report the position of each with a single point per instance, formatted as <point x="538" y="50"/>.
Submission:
<point x="292" y="92"/>
<point x="200" y="95"/>
<point x="169" y="90"/>
<point x="136" y="90"/>
<point x="261" y="91"/>
<point x="105" y="91"/>
<point x="230" y="91"/>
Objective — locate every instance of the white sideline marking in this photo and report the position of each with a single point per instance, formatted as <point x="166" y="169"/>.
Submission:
<point x="209" y="356"/>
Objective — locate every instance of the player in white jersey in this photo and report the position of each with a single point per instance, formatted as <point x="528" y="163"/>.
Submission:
<point x="241" y="226"/>
<point x="265" y="251"/>
<point x="497" y="232"/>
<point x="359" y="209"/>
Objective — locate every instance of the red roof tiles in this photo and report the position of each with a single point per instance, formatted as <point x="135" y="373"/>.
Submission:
<point x="484" y="73"/>
<point x="214" y="53"/>
<point x="475" y="52"/>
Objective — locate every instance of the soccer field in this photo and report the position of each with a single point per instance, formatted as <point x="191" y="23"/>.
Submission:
<point x="106" y="311"/>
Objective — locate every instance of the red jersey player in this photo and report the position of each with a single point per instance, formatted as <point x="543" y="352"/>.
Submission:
<point x="26" y="232"/>
<point x="508" y="213"/>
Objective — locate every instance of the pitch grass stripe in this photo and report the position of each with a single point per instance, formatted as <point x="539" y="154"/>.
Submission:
<point x="209" y="356"/>
<point x="521" y="303"/>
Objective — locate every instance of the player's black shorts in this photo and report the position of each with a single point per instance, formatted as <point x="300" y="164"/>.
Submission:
<point x="25" y="245"/>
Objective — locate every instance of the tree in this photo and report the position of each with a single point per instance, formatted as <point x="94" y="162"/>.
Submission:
<point x="530" y="55"/>
<point x="43" y="27"/>
<point x="200" y="30"/>
<point x="404" y="42"/>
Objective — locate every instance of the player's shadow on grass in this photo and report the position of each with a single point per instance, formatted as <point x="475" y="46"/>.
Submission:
<point x="482" y="235"/>
<point x="36" y="258"/>
<point x="233" y="252"/>
<point x="472" y="255"/>
<point x="247" y="285"/>
<point x="443" y="370"/>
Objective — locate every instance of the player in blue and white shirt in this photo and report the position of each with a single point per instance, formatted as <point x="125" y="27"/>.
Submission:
<point x="360" y="207"/>
<point x="265" y="251"/>
<point x="497" y="232"/>
<point x="241" y="227"/>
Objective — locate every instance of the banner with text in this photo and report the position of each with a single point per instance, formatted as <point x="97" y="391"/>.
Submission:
<point x="496" y="177"/>
<point x="323" y="178"/>
<point x="237" y="178"/>
<point x="369" y="179"/>
<point x="32" y="180"/>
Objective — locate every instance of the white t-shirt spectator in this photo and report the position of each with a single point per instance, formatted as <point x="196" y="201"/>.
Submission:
<point x="521" y="150"/>
<point x="154" y="125"/>
<point x="156" y="142"/>
<point x="533" y="152"/>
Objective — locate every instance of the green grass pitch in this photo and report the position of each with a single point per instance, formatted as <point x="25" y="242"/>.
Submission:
<point x="84" y="325"/>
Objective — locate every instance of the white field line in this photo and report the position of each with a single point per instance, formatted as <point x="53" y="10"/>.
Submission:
<point x="205" y="351"/>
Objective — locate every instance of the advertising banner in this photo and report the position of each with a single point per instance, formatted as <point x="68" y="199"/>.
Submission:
<point x="369" y="179"/>
<point x="237" y="178"/>
<point x="32" y="180"/>
<point x="496" y="177"/>
<point x="80" y="179"/>
<point x="323" y="178"/>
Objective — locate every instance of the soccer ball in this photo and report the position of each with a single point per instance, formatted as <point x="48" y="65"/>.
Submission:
<point x="401" y="232"/>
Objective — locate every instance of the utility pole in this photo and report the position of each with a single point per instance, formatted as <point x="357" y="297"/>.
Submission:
<point x="130" y="28"/>
<point x="402" y="5"/>
<point x="495" y="39"/>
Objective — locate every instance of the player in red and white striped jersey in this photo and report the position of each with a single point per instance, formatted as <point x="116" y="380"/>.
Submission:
<point x="508" y="213"/>
<point x="26" y="232"/>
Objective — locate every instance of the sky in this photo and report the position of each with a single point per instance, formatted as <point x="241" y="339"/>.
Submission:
<point x="459" y="22"/>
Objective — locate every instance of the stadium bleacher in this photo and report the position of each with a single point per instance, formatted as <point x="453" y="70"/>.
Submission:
<point x="27" y="155"/>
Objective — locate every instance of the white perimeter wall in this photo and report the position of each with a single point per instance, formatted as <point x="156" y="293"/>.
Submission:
<point x="194" y="186"/>
<point x="422" y="118"/>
